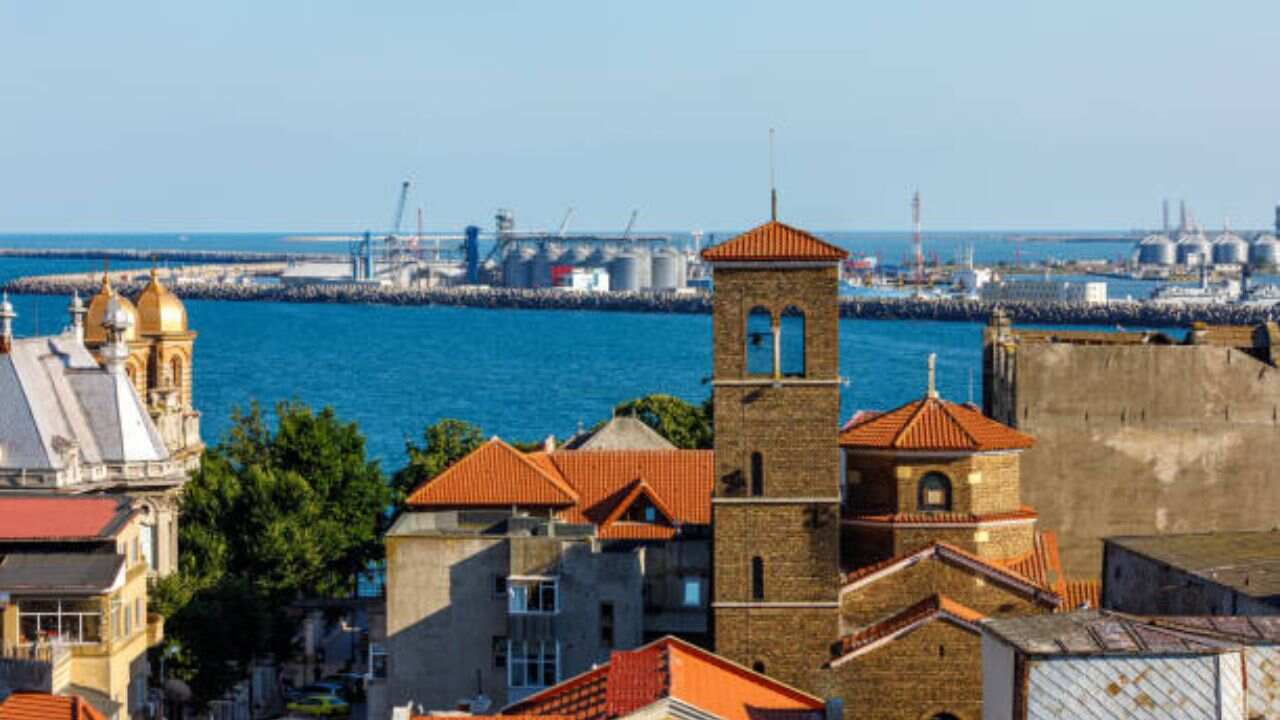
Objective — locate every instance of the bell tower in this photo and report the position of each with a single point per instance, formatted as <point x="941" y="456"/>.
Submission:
<point x="776" y="503"/>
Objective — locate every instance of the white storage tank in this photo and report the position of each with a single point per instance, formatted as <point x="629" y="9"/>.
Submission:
<point x="1230" y="249"/>
<point x="665" y="268"/>
<point x="1194" y="249"/>
<point x="1265" y="251"/>
<point x="1156" y="250"/>
<point x="624" y="273"/>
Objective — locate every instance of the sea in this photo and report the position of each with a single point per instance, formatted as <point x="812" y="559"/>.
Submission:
<point x="518" y="374"/>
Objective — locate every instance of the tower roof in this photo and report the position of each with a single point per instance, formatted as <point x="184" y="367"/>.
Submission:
<point x="932" y="423"/>
<point x="159" y="310"/>
<point x="94" y="331"/>
<point x="774" y="241"/>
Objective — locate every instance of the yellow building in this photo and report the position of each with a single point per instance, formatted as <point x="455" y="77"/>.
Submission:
<point x="73" y="600"/>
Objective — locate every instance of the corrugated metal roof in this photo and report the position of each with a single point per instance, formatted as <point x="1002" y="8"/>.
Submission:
<point x="1096" y="632"/>
<point x="774" y="241"/>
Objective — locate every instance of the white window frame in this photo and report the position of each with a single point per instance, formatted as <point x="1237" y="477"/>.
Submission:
<point x="518" y="602"/>
<point x="56" y="616"/>
<point x="546" y="649"/>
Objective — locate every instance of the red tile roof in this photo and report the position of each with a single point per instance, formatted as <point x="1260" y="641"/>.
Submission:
<point x="1077" y="594"/>
<point x="668" y="668"/>
<point x="944" y="518"/>
<point x="950" y="553"/>
<point x="933" y="424"/>
<point x="493" y="475"/>
<point x="43" y="706"/>
<point x="934" y="607"/>
<point x="594" y="487"/>
<point x="61" y="518"/>
<point x="774" y="241"/>
<point x="1041" y="563"/>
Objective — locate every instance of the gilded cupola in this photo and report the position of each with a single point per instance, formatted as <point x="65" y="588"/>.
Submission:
<point x="94" y="332"/>
<point x="159" y="310"/>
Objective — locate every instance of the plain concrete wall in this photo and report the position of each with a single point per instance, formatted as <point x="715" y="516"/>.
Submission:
<point x="1135" y="583"/>
<point x="998" y="668"/>
<point x="1140" y="439"/>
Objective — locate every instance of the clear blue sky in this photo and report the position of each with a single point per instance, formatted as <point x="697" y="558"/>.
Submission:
<point x="276" y="115"/>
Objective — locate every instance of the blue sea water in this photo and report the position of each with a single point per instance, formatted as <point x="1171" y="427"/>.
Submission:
<point x="520" y="374"/>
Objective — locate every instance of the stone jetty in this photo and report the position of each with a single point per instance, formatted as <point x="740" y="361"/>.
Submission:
<point x="200" y="256"/>
<point x="1123" y="314"/>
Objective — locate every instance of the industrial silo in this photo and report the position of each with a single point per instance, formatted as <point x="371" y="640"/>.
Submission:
<point x="540" y="266"/>
<point x="516" y="267"/>
<point x="577" y="254"/>
<point x="1230" y="249"/>
<point x="1194" y="249"/>
<point x="624" y="273"/>
<point x="664" y="270"/>
<point x="1156" y="250"/>
<point x="644" y="269"/>
<point x="1265" y="251"/>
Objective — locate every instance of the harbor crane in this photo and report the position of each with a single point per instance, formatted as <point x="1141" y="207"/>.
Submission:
<point x="626" y="234"/>
<point x="399" y="216"/>
<point x="564" y="224"/>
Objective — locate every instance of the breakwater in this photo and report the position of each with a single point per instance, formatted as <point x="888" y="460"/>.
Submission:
<point x="200" y="256"/>
<point x="1124" y="314"/>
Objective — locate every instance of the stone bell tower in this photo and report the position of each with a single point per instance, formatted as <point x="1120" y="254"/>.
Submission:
<point x="776" y="503"/>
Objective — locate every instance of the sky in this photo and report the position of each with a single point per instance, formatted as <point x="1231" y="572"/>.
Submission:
<point x="305" y="116"/>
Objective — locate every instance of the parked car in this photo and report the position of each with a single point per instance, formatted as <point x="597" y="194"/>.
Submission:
<point x="326" y="688"/>
<point x="320" y="706"/>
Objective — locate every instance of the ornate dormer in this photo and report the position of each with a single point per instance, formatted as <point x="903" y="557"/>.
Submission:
<point x="933" y="470"/>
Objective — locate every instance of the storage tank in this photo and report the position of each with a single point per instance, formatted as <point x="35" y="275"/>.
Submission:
<point x="644" y="269"/>
<point x="624" y="273"/>
<point x="1194" y="249"/>
<point x="1265" y="251"/>
<point x="664" y="265"/>
<point x="577" y="255"/>
<point x="540" y="266"/>
<point x="601" y="256"/>
<point x="1230" y="249"/>
<point x="1156" y="250"/>
<point x="515" y="268"/>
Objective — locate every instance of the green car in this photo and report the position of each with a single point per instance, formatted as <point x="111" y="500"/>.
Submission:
<point x="321" y="705"/>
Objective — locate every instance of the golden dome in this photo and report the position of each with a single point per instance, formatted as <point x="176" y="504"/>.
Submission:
<point x="159" y="310"/>
<point x="93" y="330"/>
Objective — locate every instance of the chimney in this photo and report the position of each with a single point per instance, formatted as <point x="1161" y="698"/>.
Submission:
<point x="77" y="311"/>
<point x="6" y="324"/>
<point x="549" y="444"/>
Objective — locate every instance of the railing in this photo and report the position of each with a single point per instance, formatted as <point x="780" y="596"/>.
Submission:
<point x="40" y="667"/>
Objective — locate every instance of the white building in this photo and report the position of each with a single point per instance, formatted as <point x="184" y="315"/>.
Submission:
<point x="1046" y="291"/>
<point x="971" y="278"/>
<point x="585" y="280"/>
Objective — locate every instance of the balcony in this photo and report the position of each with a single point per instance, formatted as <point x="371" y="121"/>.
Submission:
<point x="41" y="668"/>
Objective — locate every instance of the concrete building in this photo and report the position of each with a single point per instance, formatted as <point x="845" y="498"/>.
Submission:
<point x="670" y="678"/>
<point x="1045" y="291"/>
<point x="513" y="571"/>
<point x="73" y="600"/>
<point x="104" y="407"/>
<point x="1225" y="573"/>
<point x="1139" y="433"/>
<point x="1101" y="665"/>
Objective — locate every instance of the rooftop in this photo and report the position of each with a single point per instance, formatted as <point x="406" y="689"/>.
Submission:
<point x="75" y="518"/>
<point x="671" y="670"/>
<point x="1096" y="632"/>
<point x="75" y="573"/>
<point x="43" y="706"/>
<point x="620" y="433"/>
<point x="1246" y="562"/>
<point x="774" y="241"/>
<point x="934" y="607"/>
<point x="930" y="424"/>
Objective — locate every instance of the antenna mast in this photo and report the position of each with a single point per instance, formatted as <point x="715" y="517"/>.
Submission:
<point x="916" y="245"/>
<point x="773" y="186"/>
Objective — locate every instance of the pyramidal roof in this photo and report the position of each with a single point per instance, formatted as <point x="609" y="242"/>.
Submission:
<point x="932" y="423"/>
<point x="774" y="241"/>
<point x="495" y="474"/>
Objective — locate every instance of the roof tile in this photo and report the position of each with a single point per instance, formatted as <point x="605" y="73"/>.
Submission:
<point x="43" y="706"/>
<point x="494" y="474"/>
<point x="931" y="423"/>
<point x="774" y="241"/>
<point x="928" y="609"/>
<point x="60" y="518"/>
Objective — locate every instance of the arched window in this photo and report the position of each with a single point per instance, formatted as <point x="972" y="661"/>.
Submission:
<point x="792" y="331"/>
<point x="759" y="348"/>
<point x="175" y="371"/>
<point x="934" y="493"/>
<point x="757" y="474"/>
<point x="757" y="578"/>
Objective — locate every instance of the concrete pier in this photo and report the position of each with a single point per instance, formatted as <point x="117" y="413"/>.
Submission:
<point x="201" y="256"/>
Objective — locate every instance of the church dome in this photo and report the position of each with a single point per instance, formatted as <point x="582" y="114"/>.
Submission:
<point x="159" y="310"/>
<point x="94" y="332"/>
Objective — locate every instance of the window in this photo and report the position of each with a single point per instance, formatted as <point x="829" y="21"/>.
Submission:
<point x="758" y="667"/>
<point x="606" y="624"/>
<point x="757" y="474"/>
<point x="75" y="621"/>
<point x="934" y="493"/>
<point x="692" y="595"/>
<point x="759" y="349"/>
<point x="499" y="651"/>
<point x="175" y="371"/>
<point x="533" y="664"/>
<point x="117" y="617"/>
<point x="757" y="578"/>
<point x="128" y="620"/>
<point x="792" y="342"/>
<point x="499" y="586"/>
<point x="137" y="613"/>
<point x="642" y="511"/>
<point x="533" y="595"/>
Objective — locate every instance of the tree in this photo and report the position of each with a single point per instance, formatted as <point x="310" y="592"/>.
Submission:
<point x="271" y="516"/>
<point x="685" y="425"/>
<point x="444" y="443"/>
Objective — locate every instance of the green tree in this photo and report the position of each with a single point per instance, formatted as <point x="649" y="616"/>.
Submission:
<point x="685" y="425"/>
<point x="443" y="443"/>
<point x="271" y="516"/>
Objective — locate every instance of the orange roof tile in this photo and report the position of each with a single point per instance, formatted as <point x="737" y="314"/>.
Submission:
<point x="61" y="518"/>
<point x="950" y="553"/>
<point x="638" y="488"/>
<point x="774" y="241"/>
<point x="929" y="609"/>
<point x="1077" y="594"/>
<point x="1041" y="563"/>
<point x="933" y="424"/>
<point x="668" y="668"/>
<point x="43" y="706"/>
<point x="938" y="518"/>
<point x="494" y="474"/>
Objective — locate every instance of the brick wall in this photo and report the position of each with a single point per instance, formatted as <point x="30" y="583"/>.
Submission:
<point x="879" y="483"/>
<point x="800" y="559"/>
<point x="790" y="643"/>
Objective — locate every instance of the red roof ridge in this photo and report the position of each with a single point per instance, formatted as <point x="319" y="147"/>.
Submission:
<point x="639" y="487"/>
<point x="943" y="549"/>
<point x="909" y="518"/>
<point x="774" y="241"/>
<point x="570" y="496"/>
<point x="932" y="423"/>
<point x="960" y="422"/>
<point x="927" y="609"/>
